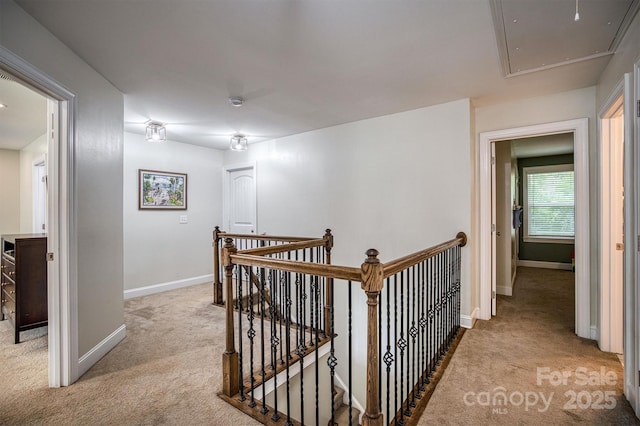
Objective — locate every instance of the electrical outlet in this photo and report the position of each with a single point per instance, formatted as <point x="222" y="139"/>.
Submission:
<point x="183" y="218"/>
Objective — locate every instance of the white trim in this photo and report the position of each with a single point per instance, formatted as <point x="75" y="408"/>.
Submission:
<point x="504" y="290"/>
<point x="171" y="285"/>
<point x="96" y="353"/>
<point x="545" y="265"/>
<point x="610" y="301"/>
<point x="580" y="130"/>
<point x="595" y="335"/>
<point x="61" y="233"/>
<point x="468" y="321"/>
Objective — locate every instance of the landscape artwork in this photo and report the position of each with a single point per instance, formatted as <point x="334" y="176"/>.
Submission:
<point x="162" y="190"/>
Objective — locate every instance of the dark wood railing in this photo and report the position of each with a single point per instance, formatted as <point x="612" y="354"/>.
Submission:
<point x="249" y="241"/>
<point x="412" y="315"/>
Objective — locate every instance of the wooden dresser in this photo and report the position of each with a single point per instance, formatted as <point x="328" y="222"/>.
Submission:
<point x="24" y="281"/>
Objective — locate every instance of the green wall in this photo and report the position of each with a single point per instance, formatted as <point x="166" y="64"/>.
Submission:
<point x="544" y="252"/>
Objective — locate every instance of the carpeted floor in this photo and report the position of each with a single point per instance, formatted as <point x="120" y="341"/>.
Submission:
<point x="530" y="354"/>
<point x="167" y="370"/>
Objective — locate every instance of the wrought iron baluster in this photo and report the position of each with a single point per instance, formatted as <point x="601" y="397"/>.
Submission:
<point x="238" y="273"/>
<point x="350" y="336"/>
<point x="388" y="356"/>
<point x="274" y="344"/>
<point x="395" y="345"/>
<point x="288" y="338"/>
<point x="402" y="345"/>
<point x="405" y="274"/>
<point x="332" y="361"/>
<point x="263" y="372"/>
<point x="315" y="295"/>
<point x="413" y="331"/>
<point x="251" y="333"/>
<point x="422" y="323"/>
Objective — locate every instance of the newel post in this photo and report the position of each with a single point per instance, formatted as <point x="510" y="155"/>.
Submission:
<point x="372" y="283"/>
<point x="328" y="303"/>
<point x="217" y="285"/>
<point x="230" y="373"/>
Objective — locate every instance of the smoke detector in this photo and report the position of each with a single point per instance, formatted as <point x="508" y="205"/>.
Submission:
<point x="236" y="101"/>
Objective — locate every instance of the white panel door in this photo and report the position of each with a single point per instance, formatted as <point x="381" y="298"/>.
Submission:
<point x="241" y="200"/>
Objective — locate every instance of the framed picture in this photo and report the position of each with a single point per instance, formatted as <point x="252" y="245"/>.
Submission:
<point x="161" y="190"/>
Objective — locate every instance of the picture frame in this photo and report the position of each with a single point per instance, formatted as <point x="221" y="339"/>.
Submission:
<point x="158" y="190"/>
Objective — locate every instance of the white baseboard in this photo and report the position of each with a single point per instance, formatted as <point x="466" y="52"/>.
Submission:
<point x="171" y="285"/>
<point x="545" y="265"/>
<point x="513" y="276"/>
<point x="504" y="290"/>
<point x="594" y="333"/>
<point x="87" y="360"/>
<point x="467" y="321"/>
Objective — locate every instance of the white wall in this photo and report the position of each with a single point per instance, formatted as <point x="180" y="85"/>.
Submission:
<point x="9" y="191"/>
<point x="626" y="55"/>
<point x="546" y="109"/>
<point x="32" y="152"/>
<point x="98" y="160"/>
<point x="157" y="248"/>
<point x="398" y="183"/>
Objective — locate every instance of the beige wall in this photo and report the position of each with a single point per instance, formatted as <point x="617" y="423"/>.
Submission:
<point x="98" y="158"/>
<point x="28" y="155"/>
<point x="9" y="191"/>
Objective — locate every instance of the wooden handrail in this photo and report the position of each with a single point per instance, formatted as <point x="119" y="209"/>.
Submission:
<point x="224" y="234"/>
<point x="400" y="264"/>
<point x="283" y="248"/>
<point x="320" y="269"/>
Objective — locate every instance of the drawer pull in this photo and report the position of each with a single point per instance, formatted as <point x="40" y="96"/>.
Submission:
<point x="12" y="273"/>
<point x="12" y="292"/>
<point x="3" y="267"/>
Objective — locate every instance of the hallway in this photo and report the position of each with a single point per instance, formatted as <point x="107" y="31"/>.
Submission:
<point x="527" y="366"/>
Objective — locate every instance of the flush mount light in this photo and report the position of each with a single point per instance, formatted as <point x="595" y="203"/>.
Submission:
<point x="3" y="105"/>
<point x="236" y="101"/>
<point x="155" y="132"/>
<point x="239" y="143"/>
<point x="577" y="15"/>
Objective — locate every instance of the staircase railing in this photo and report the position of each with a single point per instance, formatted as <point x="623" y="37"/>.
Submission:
<point x="245" y="242"/>
<point x="412" y="319"/>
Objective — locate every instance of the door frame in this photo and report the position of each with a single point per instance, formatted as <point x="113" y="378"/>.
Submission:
<point x="609" y="299"/>
<point x="226" y="170"/>
<point x="61" y="235"/>
<point x="35" y="187"/>
<point x="580" y="130"/>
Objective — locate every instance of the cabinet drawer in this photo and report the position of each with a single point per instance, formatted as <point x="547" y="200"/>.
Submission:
<point x="9" y="288"/>
<point x="8" y="307"/>
<point x="8" y="269"/>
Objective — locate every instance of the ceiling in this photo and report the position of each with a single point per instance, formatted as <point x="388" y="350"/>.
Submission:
<point x="24" y="119"/>
<point x="541" y="146"/>
<point x="306" y="65"/>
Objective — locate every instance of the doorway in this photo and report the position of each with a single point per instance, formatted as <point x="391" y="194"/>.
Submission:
<point x="240" y="199"/>
<point x="61" y="291"/>
<point x="612" y="224"/>
<point x="579" y="129"/>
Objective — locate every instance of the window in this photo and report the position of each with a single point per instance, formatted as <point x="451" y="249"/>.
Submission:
<point x="549" y="204"/>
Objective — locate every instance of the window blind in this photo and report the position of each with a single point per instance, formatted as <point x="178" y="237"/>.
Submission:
<point x="550" y="204"/>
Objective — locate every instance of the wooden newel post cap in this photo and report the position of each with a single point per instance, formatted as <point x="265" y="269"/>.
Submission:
<point x="463" y="236"/>
<point x="372" y="256"/>
<point x="228" y="243"/>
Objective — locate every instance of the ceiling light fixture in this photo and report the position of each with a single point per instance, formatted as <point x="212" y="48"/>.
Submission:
<point x="236" y="101"/>
<point x="155" y="132"/>
<point x="239" y="143"/>
<point x="3" y="106"/>
<point x="577" y="17"/>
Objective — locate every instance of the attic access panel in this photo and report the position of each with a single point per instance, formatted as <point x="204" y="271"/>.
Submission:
<point x="542" y="34"/>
